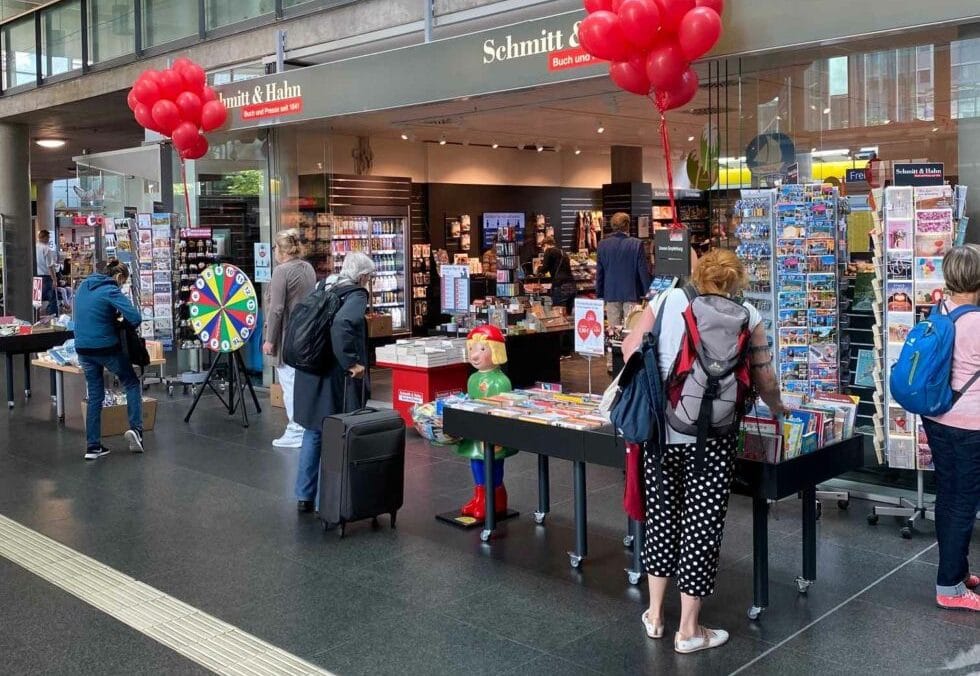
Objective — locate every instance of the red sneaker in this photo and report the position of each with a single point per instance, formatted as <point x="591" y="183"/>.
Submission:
<point x="972" y="581"/>
<point x="966" y="601"/>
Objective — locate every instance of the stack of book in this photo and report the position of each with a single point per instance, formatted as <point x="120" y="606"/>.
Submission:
<point x="424" y="352"/>
<point x="824" y="419"/>
<point x="539" y="405"/>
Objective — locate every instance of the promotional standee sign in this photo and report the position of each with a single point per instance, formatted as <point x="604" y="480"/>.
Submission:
<point x="672" y="252"/>
<point x="263" y="262"/>
<point x="918" y="174"/>
<point x="589" y="320"/>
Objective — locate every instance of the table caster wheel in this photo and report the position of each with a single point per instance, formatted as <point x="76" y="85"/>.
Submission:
<point x="906" y="533"/>
<point x="10" y="404"/>
<point x="539" y="517"/>
<point x="802" y="584"/>
<point x="628" y="542"/>
<point x="819" y="509"/>
<point x="575" y="560"/>
<point x="754" y="612"/>
<point x="485" y="535"/>
<point x="27" y="394"/>
<point x="170" y="390"/>
<point x="633" y="577"/>
<point x="843" y="504"/>
<point x="872" y="519"/>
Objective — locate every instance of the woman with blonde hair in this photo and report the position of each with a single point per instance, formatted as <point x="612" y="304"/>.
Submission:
<point x="292" y="280"/>
<point x="686" y="504"/>
<point x="954" y="439"/>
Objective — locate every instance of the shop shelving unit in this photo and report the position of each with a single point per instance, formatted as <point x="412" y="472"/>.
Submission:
<point x="755" y="214"/>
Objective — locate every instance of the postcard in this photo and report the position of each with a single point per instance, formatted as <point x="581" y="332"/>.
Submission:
<point x="790" y="247"/>
<point x="899" y="233"/>
<point x="823" y="387"/>
<point x="792" y="283"/>
<point x="933" y="244"/>
<point x="928" y="269"/>
<point x="823" y="334"/>
<point x="821" y="264"/>
<point x="820" y="247"/>
<point x="792" y="318"/>
<point x="792" y="336"/>
<point x="898" y="203"/>
<point x="825" y="300"/>
<point x="792" y="371"/>
<point x="929" y="293"/>
<point x="899" y="325"/>
<point x="899" y="295"/>
<point x="822" y="281"/>
<point x="792" y="300"/>
<point x="934" y="221"/>
<point x="923" y="452"/>
<point x="822" y="318"/>
<point x="899" y="421"/>
<point x="899" y="265"/>
<point x="793" y="354"/>
<point x="823" y="354"/>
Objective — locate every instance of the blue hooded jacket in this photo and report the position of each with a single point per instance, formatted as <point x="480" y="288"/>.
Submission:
<point x="97" y="304"/>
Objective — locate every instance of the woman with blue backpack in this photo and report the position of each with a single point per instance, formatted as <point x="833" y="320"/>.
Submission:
<point x="954" y="435"/>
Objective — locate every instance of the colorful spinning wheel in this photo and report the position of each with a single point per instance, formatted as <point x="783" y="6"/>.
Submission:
<point x="223" y="308"/>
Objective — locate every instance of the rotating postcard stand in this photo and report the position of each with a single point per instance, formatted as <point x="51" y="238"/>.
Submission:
<point x="223" y="311"/>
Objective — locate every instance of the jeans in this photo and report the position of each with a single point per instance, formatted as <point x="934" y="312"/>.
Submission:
<point x="956" y="457"/>
<point x="119" y="366"/>
<point x="308" y="473"/>
<point x="49" y="295"/>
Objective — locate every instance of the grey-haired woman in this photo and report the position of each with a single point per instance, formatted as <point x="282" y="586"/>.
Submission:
<point x="317" y="397"/>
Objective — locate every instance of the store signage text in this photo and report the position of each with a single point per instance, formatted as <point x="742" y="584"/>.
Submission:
<point x="855" y="175"/>
<point x="562" y="49"/>
<point x="919" y="174"/>
<point x="88" y="221"/>
<point x="274" y="99"/>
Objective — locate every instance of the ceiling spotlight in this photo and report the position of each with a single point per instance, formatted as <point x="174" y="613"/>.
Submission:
<point x="578" y="151"/>
<point x="601" y="129"/>
<point x="886" y="121"/>
<point x="50" y="142"/>
<point x="404" y="136"/>
<point x="813" y="150"/>
<point x="442" y="140"/>
<point x="826" y="111"/>
<point x="690" y="138"/>
<point x="557" y="147"/>
<point x="539" y="147"/>
<point x="935" y="129"/>
<point x="812" y="107"/>
<point x="495" y="145"/>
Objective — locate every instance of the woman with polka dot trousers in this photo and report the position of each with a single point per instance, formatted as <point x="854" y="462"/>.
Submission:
<point x="686" y="505"/>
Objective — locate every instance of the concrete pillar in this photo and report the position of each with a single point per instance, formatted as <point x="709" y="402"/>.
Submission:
<point x="45" y="206"/>
<point x="626" y="163"/>
<point x="15" y="206"/>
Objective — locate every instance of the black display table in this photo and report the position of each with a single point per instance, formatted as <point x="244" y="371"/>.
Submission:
<point x="760" y="481"/>
<point x="27" y="345"/>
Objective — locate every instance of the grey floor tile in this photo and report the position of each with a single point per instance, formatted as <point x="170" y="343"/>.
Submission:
<point x="427" y="644"/>
<point x="549" y="665"/>
<point x="865" y="636"/>
<point x="784" y="661"/>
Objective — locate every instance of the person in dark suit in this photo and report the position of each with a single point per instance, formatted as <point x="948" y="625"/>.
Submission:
<point x="622" y="271"/>
<point x="316" y="396"/>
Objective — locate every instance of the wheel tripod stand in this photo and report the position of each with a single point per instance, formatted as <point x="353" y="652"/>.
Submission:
<point x="237" y="382"/>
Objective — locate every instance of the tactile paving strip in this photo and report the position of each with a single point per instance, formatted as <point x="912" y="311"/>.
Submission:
<point x="198" y="636"/>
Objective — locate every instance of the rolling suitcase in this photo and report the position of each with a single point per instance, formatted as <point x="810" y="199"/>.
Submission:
<point x="362" y="467"/>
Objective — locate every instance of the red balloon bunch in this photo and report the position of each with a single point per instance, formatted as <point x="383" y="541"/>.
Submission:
<point x="177" y="102"/>
<point x="652" y="43"/>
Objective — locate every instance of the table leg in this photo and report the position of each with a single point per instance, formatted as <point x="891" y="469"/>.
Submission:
<point x="59" y="396"/>
<point x="581" y="518"/>
<point x="10" y="380"/>
<point x="760" y="557"/>
<point x="27" y="376"/>
<point x="809" y="540"/>
<point x="544" y="490"/>
<point x="635" y="574"/>
<point x="490" y="522"/>
<point x="54" y="385"/>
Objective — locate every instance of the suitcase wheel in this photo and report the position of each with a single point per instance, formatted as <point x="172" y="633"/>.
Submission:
<point x="374" y="523"/>
<point x="394" y="515"/>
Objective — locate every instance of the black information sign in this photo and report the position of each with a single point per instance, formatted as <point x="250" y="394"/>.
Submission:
<point x="672" y="252"/>
<point x="919" y="174"/>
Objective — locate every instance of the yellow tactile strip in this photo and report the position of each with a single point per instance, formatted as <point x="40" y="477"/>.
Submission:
<point x="197" y="636"/>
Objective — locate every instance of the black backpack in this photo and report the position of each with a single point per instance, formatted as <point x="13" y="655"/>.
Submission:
<point x="307" y="345"/>
<point x="133" y="344"/>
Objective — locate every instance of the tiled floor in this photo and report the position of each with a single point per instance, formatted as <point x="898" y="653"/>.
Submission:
<point x="207" y="516"/>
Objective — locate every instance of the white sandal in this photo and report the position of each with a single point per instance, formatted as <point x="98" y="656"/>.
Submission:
<point x="708" y="638"/>
<point x="653" y="630"/>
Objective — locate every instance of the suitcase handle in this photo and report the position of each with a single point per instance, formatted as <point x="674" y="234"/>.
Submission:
<point x="363" y="409"/>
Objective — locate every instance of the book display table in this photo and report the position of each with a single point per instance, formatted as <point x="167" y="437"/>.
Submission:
<point x="27" y="345"/>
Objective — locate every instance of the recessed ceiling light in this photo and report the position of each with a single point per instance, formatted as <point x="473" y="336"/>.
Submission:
<point x="690" y="138"/>
<point x="495" y="145"/>
<point x="442" y="140"/>
<point x="886" y="121"/>
<point x="935" y="129"/>
<point x="812" y="107"/>
<point x="578" y="151"/>
<point x="557" y="147"/>
<point x="826" y="111"/>
<point x="50" y="142"/>
<point x="539" y="147"/>
<point x="601" y="129"/>
<point x="404" y="136"/>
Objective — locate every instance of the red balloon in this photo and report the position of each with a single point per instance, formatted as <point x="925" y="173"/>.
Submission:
<point x="629" y="78"/>
<point x="665" y="65"/>
<point x="616" y="4"/>
<point x="180" y="62"/>
<point x="198" y="150"/>
<point x="680" y="95"/>
<point x="673" y="11"/>
<point x="699" y="32"/>
<point x="185" y="136"/>
<point x="598" y="5"/>
<point x="146" y="91"/>
<point x="601" y="35"/>
<point x="717" y="5"/>
<point x="640" y="20"/>
<point x="166" y="116"/>
<point x="131" y="100"/>
<point x="144" y="117"/>
<point x="150" y="74"/>
<point x="213" y="115"/>
<point x="190" y="107"/>
<point x="171" y="84"/>
<point x="194" y="78"/>
<point x="209" y="95"/>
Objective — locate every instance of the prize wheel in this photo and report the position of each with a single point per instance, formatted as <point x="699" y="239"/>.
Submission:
<point x="223" y="308"/>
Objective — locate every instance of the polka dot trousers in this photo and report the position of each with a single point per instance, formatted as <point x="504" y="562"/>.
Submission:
<point x="685" y="513"/>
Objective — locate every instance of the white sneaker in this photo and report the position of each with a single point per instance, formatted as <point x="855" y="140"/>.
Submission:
<point x="708" y="638"/>
<point x="288" y="440"/>
<point x="135" y="440"/>
<point x="653" y="630"/>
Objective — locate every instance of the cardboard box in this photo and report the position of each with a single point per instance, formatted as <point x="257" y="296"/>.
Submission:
<point x="379" y="326"/>
<point x="275" y="396"/>
<point x="115" y="420"/>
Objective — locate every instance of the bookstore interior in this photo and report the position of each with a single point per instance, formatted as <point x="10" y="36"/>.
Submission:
<point x="837" y="174"/>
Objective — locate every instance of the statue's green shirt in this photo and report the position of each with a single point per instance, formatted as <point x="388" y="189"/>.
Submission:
<point x="481" y="385"/>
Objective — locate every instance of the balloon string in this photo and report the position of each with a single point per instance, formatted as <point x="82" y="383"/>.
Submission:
<point x="187" y="195"/>
<point x="665" y="139"/>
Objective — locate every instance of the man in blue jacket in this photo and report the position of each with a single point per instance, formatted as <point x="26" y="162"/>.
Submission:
<point x="622" y="273"/>
<point x="98" y="304"/>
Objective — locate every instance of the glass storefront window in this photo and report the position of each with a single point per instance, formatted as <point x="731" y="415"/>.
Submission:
<point x="19" y="54"/>
<point x="112" y="29"/>
<point x="223" y="13"/>
<point x="168" y="20"/>
<point x="61" y="38"/>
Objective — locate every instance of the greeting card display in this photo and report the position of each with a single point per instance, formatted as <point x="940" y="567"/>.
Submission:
<point x="919" y="231"/>
<point x="805" y="270"/>
<point x="755" y="231"/>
